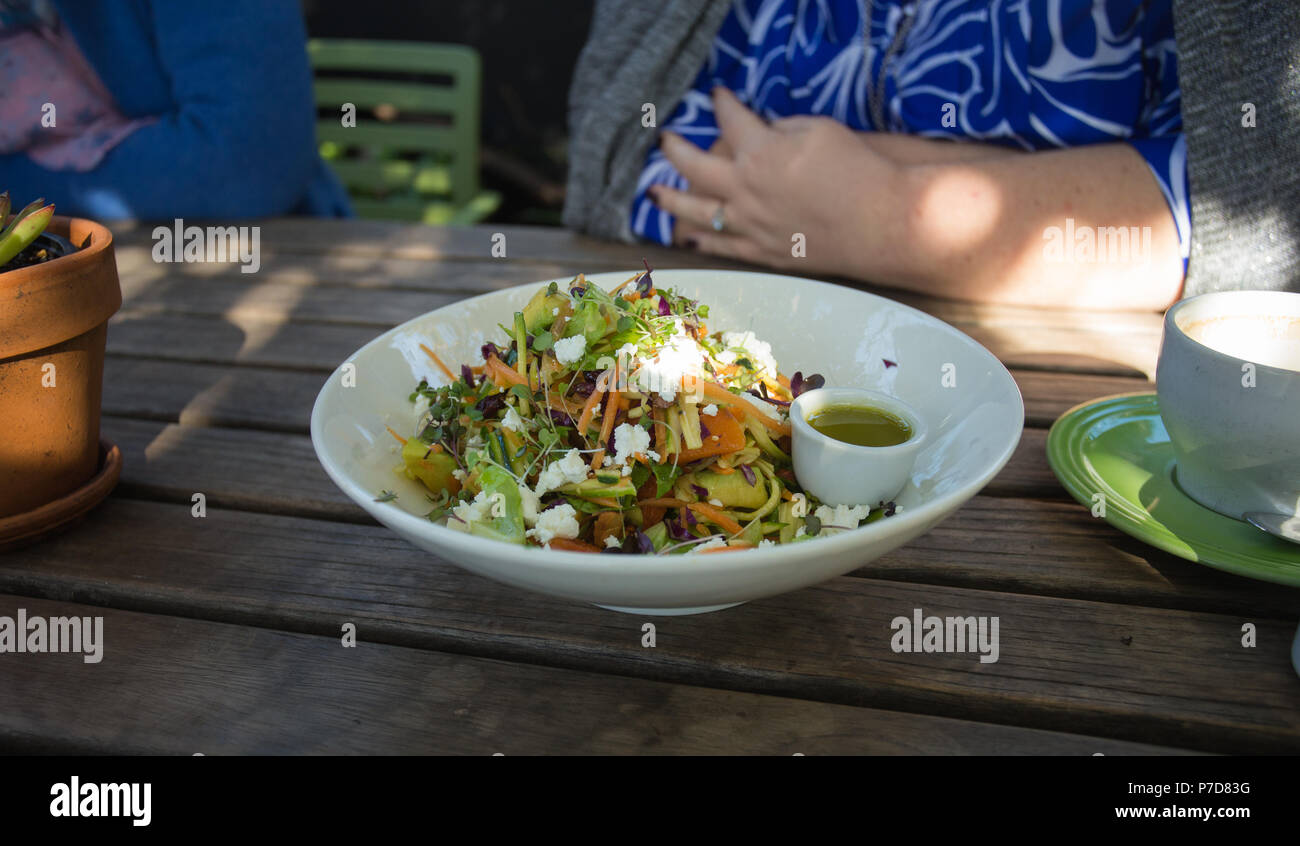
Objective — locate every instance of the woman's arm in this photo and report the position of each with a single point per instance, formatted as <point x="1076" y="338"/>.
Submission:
<point x="971" y="221"/>
<point x="240" y="141"/>
<point x="1085" y="227"/>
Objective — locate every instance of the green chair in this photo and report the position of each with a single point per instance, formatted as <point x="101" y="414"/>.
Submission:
<point x="413" y="154"/>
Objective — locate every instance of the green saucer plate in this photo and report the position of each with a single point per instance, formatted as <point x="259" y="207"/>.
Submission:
<point x="1118" y="447"/>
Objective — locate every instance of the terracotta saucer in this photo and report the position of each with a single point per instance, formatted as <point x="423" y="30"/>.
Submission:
<point x="29" y="527"/>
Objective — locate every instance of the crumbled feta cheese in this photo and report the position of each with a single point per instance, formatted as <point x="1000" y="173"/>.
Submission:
<point x="765" y="542"/>
<point x="458" y="474"/>
<point x="558" y="522"/>
<point x="628" y="441"/>
<point x="758" y="352"/>
<point x="571" y="468"/>
<point x="717" y="503"/>
<point x="627" y="469"/>
<point x="678" y="359"/>
<point x="840" y="518"/>
<point x="801" y="532"/>
<point x="652" y="455"/>
<point x="762" y="406"/>
<point x="709" y="410"/>
<point x="611" y="542"/>
<point x="530" y="504"/>
<point x="555" y="311"/>
<point x="609" y="460"/>
<point x="513" y="421"/>
<point x="715" y="543"/>
<point x="469" y="513"/>
<point x="569" y="350"/>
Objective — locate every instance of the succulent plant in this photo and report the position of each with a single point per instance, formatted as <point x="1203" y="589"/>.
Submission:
<point x="25" y="227"/>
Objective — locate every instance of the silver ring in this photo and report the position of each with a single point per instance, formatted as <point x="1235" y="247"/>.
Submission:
<point x="718" y="223"/>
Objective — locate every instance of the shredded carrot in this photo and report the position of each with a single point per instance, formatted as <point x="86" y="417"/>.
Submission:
<point x="572" y="545"/>
<point x="557" y="402"/>
<point x="731" y="548"/>
<point x="725" y="471"/>
<point x="784" y="380"/>
<point x="588" y="409"/>
<point x="400" y="439"/>
<point x="612" y="405"/>
<point x="444" y="368"/>
<point x="785" y="493"/>
<point x="716" y="392"/>
<point x="607" y="501"/>
<point x="501" y="373"/>
<point x="661" y="434"/>
<point x="713" y="515"/>
<point x="625" y="282"/>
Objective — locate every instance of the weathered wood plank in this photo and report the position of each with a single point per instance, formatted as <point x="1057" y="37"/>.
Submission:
<point x="996" y="543"/>
<point x="387" y="240"/>
<point x="217" y="395"/>
<point x="248" y="298"/>
<point x="236" y="339"/>
<point x="1131" y="354"/>
<point x="1159" y="676"/>
<point x="1049" y="395"/>
<point x="175" y="686"/>
<point x="246" y="469"/>
<point x="453" y="276"/>
<point x="1028" y="474"/>
<point x="373" y="254"/>
<point x="253" y="333"/>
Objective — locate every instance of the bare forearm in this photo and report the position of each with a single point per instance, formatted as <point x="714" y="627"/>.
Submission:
<point x="915" y="150"/>
<point x="1086" y="227"/>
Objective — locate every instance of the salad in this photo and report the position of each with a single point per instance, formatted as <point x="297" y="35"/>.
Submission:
<point x="615" y="421"/>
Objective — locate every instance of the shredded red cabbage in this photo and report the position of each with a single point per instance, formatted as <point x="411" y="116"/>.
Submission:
<point x="644" y="285"/>
<point x="676" y="531"/>
<point x="467" y="375"/>
<point x="800" y="383"/>
<point x="640" y="542"/>
<point x="491" y="404"/>
<point x="748" y="473"/>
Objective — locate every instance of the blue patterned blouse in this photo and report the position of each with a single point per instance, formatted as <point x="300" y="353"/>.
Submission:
<point x="1034" y="74"/>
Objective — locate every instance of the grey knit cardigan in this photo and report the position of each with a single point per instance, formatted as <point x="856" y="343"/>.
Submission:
<point x="1236" y="60"/>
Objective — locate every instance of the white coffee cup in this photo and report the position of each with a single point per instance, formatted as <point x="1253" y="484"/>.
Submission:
<point x="1228" y="381"/>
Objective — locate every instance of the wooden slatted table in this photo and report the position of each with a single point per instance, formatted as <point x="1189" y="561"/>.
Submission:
<point x="222" y="634"/>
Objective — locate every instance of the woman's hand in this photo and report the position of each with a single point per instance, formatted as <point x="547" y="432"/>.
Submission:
<point x="971" y="221"/>
<point x="793" y="194"/>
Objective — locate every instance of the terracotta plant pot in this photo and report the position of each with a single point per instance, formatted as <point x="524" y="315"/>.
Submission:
<point x="53" y="321"/>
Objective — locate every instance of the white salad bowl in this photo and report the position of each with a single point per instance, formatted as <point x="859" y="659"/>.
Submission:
<point x="970" y="405"/>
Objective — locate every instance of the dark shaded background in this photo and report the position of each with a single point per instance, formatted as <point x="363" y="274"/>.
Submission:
<point x="528" y="47"/>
